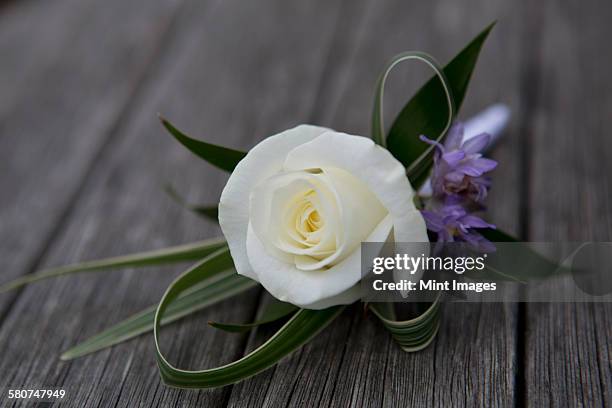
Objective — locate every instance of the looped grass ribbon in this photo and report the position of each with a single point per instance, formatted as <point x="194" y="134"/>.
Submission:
<point x="303" y="326"/>
<point x="414" y="334"/>
<point x="378" y="127"/>
<point x="214" y="278"/>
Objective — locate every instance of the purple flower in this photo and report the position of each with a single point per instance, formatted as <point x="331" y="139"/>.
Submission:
<point x="451" y="222"/>
<point x="459" y="168"/>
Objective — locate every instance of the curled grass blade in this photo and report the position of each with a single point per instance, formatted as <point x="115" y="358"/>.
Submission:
<point x="414" y="334"/>
<point x="302" y="327"/>
<point x="221" y="282"/>
<point x="274" y="311"/>
<point x="378" y="127"/>
<point x="180" y="253"/>
<point x="426" y="113"/>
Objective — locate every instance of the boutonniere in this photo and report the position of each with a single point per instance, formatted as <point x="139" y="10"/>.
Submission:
<point x="297" y="208"/>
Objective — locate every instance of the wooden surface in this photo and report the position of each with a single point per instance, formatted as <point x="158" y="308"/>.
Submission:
<point x="83" y="160"/>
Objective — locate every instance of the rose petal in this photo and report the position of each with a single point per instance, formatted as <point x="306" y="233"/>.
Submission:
<point x="375" y="166"/>
<point x="263" y="161"/>
<point x="304" y="288"/>
<point x="268" y="203"/>
<point x="360" y="213"/>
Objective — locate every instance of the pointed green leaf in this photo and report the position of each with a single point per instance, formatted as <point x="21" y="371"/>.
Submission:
<point x="222" y="157"/>
<point x="426" y="113"/>
<point x="221" y="282"/>
<point x="497" y="235"/>
<point x="180" y="253"/>
<point x="302" y="327"/>
<point x="210" y="212"/>
<point x="274" y="311"/>
<point x="514" y="266"/>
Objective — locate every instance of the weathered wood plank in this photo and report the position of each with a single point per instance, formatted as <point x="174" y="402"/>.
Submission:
<point x="569" y="346"/>
<point x="44" y="28"/>
<point x="206" y="82"/>
<point x="66" y="79"/>
<point x="234" y="72"/>
<point x="354" y="362"/>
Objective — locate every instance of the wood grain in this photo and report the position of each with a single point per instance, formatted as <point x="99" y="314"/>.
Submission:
<point x="232" y="87"/>
<point x="83" y="160"/>
<point x="66" y="81"/>
<point x="354" y="362"/>
<point x="569" y="346"/>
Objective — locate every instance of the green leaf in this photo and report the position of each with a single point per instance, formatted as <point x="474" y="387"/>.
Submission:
<point x="180" y="253"/>
<point x="496" y="235"/>
<point x="302" y="327"/>
<point x="414" y="334"/>
<point x="378" y="127"/>
<point x="521" y="264"/>
<point x="220" y="283"/>
<point x="274" y="311"/>
<point x="210" y="212"/>
<point x="426" y="113"/>
<point x="222" y="157"/>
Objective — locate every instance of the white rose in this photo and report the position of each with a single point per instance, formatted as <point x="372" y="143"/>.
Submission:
<point x="297" y="207"/>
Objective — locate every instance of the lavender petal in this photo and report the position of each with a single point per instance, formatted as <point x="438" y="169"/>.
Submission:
<point x="476" y="144"/>
<point x="454" y="137"/>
